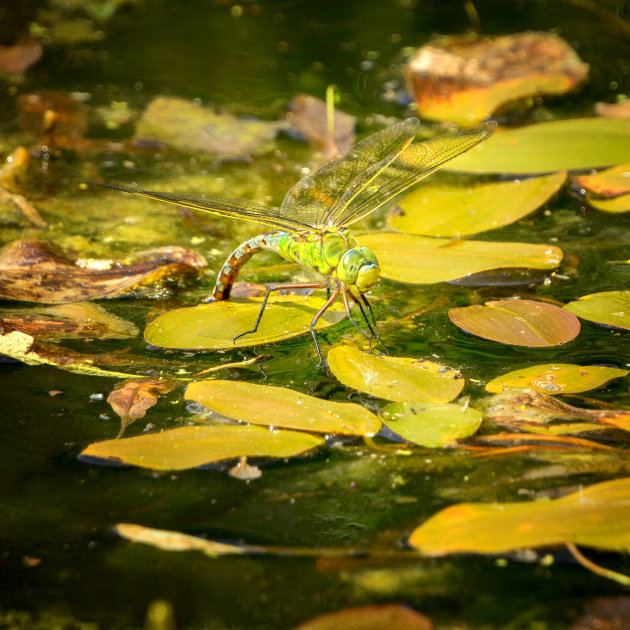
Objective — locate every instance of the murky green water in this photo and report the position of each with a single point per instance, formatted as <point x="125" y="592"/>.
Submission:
<point x="58" y="555"/>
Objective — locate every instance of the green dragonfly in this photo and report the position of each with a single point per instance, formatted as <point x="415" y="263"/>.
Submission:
<point x="311" y="225"/>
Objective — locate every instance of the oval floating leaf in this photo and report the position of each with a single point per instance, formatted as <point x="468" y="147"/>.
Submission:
<point x="610" y="308"/>
<point x="424" y="260"/>
<point x="517" y="322"/>
<point x="607" y="183"/>
<point x="213" y="326"/>
<point x="381" y="617"/>
<point x="556" y="378"/>
<point x="431" y="425"/>
<point x="614" y="205"/>
<point x="577" y="143"/>
<point x="282" y="407"/>
<point x="395" y="378"/>
<point x="462" y="210"/>
<point x="596" y="516"/>
<point x="188" y="447"/>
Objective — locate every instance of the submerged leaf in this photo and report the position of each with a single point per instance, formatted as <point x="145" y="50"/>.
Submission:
<point x="577" y="143"/>
<point x="32" y="271"/>
<point x="556" y="378"/>
<point x="431" y="425"/>
<point x="517" y="322"/>
<point x="189" y="447"/>
<point x="458" y="211"/>
<point x="190" y="127"/>
<point x="610" y="308"/>
<point x="213" y="326"/>
<point x="395" y="378"/>
<point x="596" y="516"/>
<point x="79" y="320"/>
<point x="381" y="617"/>
<point x="426" y="260"/>
<point x="282" y="407"/>
<point x="466" y="78"/>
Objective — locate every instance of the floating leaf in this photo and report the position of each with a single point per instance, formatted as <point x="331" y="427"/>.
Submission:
<point x="79" y="320"/>
<point x="556" y="378"/>
<point x="607" y="183"/>
<point x="282" y="407"/>
<point x="213" y="326"/>
<point x="596" y="516"/>
<point x="459" y="211"/>
<point x="610" y="308"/>
<point x="174" y="541"/>
<point x="431" y="425"/>
<point x="189" y="447"/>
<point x="130" y="400"/>
<point x="517" y="322"/>
<point x="425" y="260"/>
<point x="613" y="205"/>
<point x="577" y="143"/>
<point x="190" y="127"/>
<point x="22" y="347"/>
<point x="395" y="378"/>
<point x="520" y="408"/>
<point x="465" y="79"/>
<point x="382" y="617"/>
<point x="32" y="271"/>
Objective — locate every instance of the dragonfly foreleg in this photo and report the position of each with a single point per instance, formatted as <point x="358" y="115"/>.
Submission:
<point x="278" y="287"/>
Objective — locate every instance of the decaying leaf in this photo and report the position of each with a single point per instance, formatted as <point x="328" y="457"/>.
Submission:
<point x="190" y="127"/>
<point x="605" y="613"/>
<point x="70" y="113"/>
<point x="174" y="541"/>
<point x="614" y="110"/>
<point x="79" y="320"/>
<point x="607" y="183"/>
<point x="522" y="408"/>
<point x="32" y="271"/>
<point x="382" y="617"/>
<point x="18" y="58"/>
<point x="309" y="115"/>
<point x="465" y="79"/>
<point x="131" y="399"/>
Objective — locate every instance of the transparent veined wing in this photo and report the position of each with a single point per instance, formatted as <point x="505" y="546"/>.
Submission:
<point x="225" y="207"/>
<point x="320" y="198"/>
<point x="382" y="182"/>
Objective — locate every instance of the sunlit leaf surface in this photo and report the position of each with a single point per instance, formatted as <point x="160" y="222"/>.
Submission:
<point x="613" y="204"/>
<point x="611" y="308"/>
<point x="189" y="447"/>
<point x="282" y="407"/>
<point x="431" y="425"/>
<point x="607" y="183"/>
<point x="556" y="378"/>
<point x="517" y="322"/>
<point x="383" y="617"/>
<point x="424" y="260"/>
<point x="576" y="143"/>
<point x="596" y="516"/>
<point x="213" y="326"/>
<point x="459" y="211"/>
<point x="395" y="378"/>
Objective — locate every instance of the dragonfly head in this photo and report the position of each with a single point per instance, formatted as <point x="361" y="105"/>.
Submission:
<point x="358" y="267"/>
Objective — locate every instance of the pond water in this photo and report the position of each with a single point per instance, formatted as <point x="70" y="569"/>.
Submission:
<point x="61" y="563"/>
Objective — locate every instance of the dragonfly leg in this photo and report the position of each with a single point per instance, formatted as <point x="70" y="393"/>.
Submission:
<point x="362" y="301"/>
<point x="368" y="306"/>
<point x="344" y="293"/>
<point x="278" y="287"/>
<point x="322" y="310"/>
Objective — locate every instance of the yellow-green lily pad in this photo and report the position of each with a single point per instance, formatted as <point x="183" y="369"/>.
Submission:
<point x="459" y="210"/>
<point x="395" y="378"/>
<point x="610" y="182"/>
<point x="282" y="407"/>
<point x="597" y="516"/>
<point x="577" y="143"/>
<point x="431" y="425"/>
<point x="517" y="322"/>
<point x="213" y="326"/>
<point x="425" y="260"/>
<point x="556" y="378"/>
<point x="614" y="205"/>
<point x="610" y="308"/>
<point x="189" y="447"/>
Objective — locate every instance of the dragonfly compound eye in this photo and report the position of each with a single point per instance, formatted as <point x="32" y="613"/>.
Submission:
<point x="358" y="267"/>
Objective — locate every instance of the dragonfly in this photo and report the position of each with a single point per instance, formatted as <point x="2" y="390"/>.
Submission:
<point x="311" y="226"/>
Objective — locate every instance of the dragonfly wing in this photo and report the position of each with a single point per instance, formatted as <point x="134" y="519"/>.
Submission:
<point x="225" y="207"/>
<point x="413" y="163"/>
<point x="318" y="199"/>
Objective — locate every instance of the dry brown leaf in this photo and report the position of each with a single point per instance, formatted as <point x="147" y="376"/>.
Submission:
<point x="18" y="58"/>
<point x="32" y="271"/>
